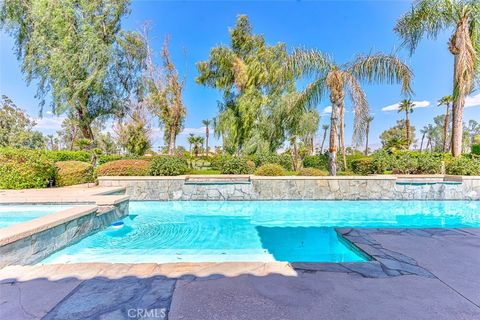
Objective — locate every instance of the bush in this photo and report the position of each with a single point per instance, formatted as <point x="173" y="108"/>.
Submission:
<point x="24" y="168"/>
<point x="65" y="155"/>
<point x="285" y="160"/>
<point x="363" y="166"/>
<point x="124" y="168"/>
<point x="108" y="158"/>
<point x="168" y="166"/>
<point x="270" y="169"/>
<point x="476" y="149"/>
<point x="465" y="166"/>
<point x="319" y="162"/>
<point x="311" y="172"/>
<point x="237" y="165"/>
<point x="73" y="172"/>
<point x="417" y="163"/>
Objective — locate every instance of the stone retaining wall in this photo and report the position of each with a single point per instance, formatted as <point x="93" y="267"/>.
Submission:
<point x="298" y="188"/>
<point x="32" y="241"/>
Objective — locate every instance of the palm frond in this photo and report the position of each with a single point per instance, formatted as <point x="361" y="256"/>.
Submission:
<point x="426" y="18"/>
<point x="309" y="63"/>
<point x="381" y="68"/>
<point x="360" y="107"/>
<point x="312" y="95"/>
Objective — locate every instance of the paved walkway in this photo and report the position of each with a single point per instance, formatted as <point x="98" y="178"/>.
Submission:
<point x="416" y="274"/>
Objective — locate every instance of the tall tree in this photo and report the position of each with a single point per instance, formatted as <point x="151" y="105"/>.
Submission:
<point x="423" y="131"/>
<point x="134" y="134"/>
<point x="197" y="144"/>
<point x="165" y="88"/>
<point x="325" y="128"/>
<point x="445" y="101"/>
<point x="69" y="48"/>
<point x="430" y="17"/>
<point x="395" y="138"/>
<point x="249" y="74"/>
<point x="407" y="106"/>
<point x="367" y="131"/>
<point x="206" y="123"/>
<point x="191" y="140"/>
<point x="339" y="79"/>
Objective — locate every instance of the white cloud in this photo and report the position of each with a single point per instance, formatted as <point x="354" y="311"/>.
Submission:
<point x="472" y="101"/>
<point x="48" y="124"/>
<point x="195" y="131"/>
<point x="417" y="104"/>
<point x="327" y="110"/>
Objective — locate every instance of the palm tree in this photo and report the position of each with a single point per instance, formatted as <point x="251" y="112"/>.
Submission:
<point x="407" y="107"/>
<point x="430" y="17"/>
<point x="206" y="123"/>
<point x="367" y="131"/>
<point x="445" y="101"/>
<point x="325" y="128"/>
<point x="191" y="141"/>
<point x="197" y="145"/>
<point x="423" y="131"/>
<point x="336" y="79"/>
<point x="430" y="135"/>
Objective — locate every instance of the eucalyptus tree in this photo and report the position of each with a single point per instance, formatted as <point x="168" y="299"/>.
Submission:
<point x="407" y="106"/>
<point x="249" y="73"/>
<point x="445" y="101"/>
<point x="427" y="18"/>
<point x="423" y="131"/>
<point x="339" y="79"/>
<point x="367" y="132"/>
<point x="325" y="128"/>
<point x="72" y="50"/>
<point x="206" y="123"/>
<point x="164" y="92"/>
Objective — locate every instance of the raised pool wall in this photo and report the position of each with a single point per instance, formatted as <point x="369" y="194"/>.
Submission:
<point x="32" y="241"/>
<point x="435" y="187"/>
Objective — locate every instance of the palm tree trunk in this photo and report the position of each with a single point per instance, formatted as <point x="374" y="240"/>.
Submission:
<point x="332" y="149"/>
<point x="421" y="143"/>
<point x="293" y="142"/>
<point x="366" y="138"/>
<point x="407" y="128"/>
<point x="323" y="140"/>
<point x="207" y="133"/>
<point x="342" y="135"/>
<point x="445" y="128"/>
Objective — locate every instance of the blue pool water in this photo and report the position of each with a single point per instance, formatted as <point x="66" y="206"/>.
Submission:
<point x="12" y="214"/>
<point x="256" y="230"/>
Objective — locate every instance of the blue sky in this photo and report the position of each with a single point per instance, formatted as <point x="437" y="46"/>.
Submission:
<point x="341" y="29"/>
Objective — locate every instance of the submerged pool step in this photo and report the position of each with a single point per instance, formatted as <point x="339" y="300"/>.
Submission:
<point x="426" y="183"/>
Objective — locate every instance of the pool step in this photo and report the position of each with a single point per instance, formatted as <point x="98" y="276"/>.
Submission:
<point x="217" y="180"/>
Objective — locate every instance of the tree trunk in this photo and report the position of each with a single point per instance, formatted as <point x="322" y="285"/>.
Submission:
<point x="207" y="133"/>
<point x="366" y="138"/>
<point x="445" y="128"/>
<point x="342" y="135"/>
<point x="293" y="143"/>
<point x="407" y="128"/>
<point x="171" y="141"/>
<point x="323" y="140"/>
<point x="332" y="149"/>
<point x="421" y="143"/>
<point x="457" y="120"/>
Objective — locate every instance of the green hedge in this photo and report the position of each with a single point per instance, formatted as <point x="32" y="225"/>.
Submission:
<point x="465" y="166"/>
<point x="476" y="149"/>
<point x="270" y="169"/>
<point x="73" y="172"/>
<point x="237" y="165"/>
<point x="285" y="160"/>
<point x="24" y="168"/>
<point x="124" y="168"/>
<point x="318" y="162"/>
<point x="168" y="166"/>
<point x="65" y="155"/>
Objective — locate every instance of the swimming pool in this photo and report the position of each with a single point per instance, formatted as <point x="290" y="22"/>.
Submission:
<point x="214" y="231"/>
<point x="12" y="214"/>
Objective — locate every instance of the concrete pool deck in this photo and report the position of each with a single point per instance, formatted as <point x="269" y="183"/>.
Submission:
<point x="416" y="274"/>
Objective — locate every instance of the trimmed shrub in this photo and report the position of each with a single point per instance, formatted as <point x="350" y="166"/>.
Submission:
<point x="65" y="155"/>
<point x="363" y="166"/>
<point x="124" y="168"/>
<point x="465" y="166"/>
<point x="104" y="158"/>
<point x="24" y="168"/>
<point x="319" y="162"/>
<point x="73" y="172"/>
<point x="476" y="149"/>
<point x="312" y="172"/>
<point x="270" y="169"/>
<point x="285" y="160"/>
<point x="237" y="165"/>
<point x="168" y="166"/>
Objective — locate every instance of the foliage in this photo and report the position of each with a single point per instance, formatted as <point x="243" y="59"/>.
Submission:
<point x="363" y="166"/>
<point x="237" y="165"/>
<point x="64" y="155"/>
<point x="285" y="160"/>
<point x="134" y="135"/>
<point x="104" y="158"/>
<point x="395" y="138"/>
<point x="270" y="169"/>
<point x="165" y="88"/>
<point x="318" y="162"/>
<point x="73" y="172"/>
<point x="124" y="168"/>
<point x="417" y="163"/>
<point x="311" y="172"/>
<point x="16" y="128"/>
<point x="168" y="166"/>
<point x="476" y="149"/>
<point x="250" y="76"/>
<point x="76" y="51"/>
<point x="23" y="168"/>
<point x="467" y="166"/>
